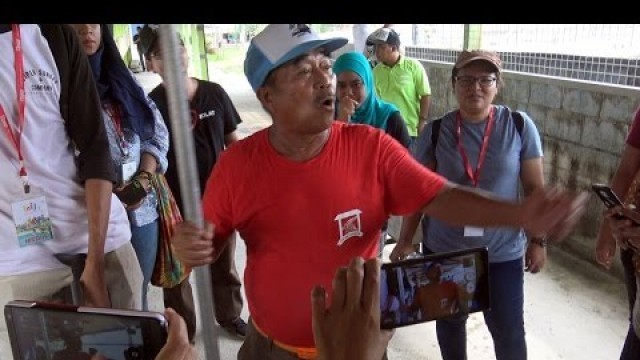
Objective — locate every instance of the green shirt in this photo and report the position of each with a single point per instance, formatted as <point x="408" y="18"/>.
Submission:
<point x="403" y="85"/>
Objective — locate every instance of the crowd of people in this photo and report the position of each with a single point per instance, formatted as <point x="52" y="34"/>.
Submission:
<point x="349" y="145"/>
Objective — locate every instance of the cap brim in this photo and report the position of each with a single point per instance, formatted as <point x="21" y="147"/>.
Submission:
<point x="476" y="58"/>
<point x="375" y="42"/>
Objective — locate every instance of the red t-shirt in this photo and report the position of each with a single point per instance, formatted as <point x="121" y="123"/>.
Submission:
<point x="301" y="221"/>
<point x="437" y="300"/>
<point x="633" y="138"/>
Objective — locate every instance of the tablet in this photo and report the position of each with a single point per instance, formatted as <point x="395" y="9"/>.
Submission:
<point x="433" y="287"/>
<point x="39" y="330"/>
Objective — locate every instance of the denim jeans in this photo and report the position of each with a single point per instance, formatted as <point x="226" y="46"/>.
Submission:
<point x="145" y="243"/>
<point x="631" y="347"/>
<point x="505" y="319"/>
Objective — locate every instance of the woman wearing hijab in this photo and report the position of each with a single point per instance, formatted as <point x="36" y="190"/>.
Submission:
<point x="357" y="101"/>
<point x="138" y="139"/>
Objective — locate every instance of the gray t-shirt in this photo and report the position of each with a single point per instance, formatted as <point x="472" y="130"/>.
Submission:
<point x="500" y="174"/>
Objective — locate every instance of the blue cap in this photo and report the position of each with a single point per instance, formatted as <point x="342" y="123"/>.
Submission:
<point x="279" y="43"/>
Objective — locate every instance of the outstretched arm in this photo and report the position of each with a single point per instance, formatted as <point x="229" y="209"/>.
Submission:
<point x="544" y="212"/>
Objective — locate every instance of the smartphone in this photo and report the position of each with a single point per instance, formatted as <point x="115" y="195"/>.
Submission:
<point x="608" y="197"/>
<point x="131" y="194"/>
<point x="433" y="287"/>
<point x="39" y="330"/>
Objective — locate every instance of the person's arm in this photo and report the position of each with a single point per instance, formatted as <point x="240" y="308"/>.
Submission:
<point x="532" y="179"/>
<point x="158" y="145"/>
<point x="192" y="245"/>
<point x="349" y="327"/>
<point x="98" y="198"/>
<point x="148" y="164"/>
<point x="545" y="212"/>
<point x="88" y="135"/>
<point x="231" y="118"/>
<point x="345" y="108"/>
<point x="410" y="187"/>
<point x="230" y="138"/>
<point x="410" y="223"/>
<point x="404" y="244"/>
<point x="627" y="168"/>
<point x="154" y="150"/>
<point x="197" y="246"/>
<point x="423" y="116"/>
<point x="624" y="224"/>
<point x="423" y="88"/>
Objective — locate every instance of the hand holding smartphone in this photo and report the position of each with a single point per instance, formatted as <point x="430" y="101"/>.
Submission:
<point x="609" y="198"/>
<point x="132" y="193"/>
<point x="606" y="194"/>
<point x="434" y="287"/>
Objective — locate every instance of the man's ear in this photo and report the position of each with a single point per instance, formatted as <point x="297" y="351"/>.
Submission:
<point x="265" y="96"/>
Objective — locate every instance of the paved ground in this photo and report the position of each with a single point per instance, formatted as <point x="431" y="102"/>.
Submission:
<point x="572" y="310"/>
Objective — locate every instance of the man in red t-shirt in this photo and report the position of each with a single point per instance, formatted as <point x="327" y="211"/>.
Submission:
<point x="309" y="194"/>
<point x="438" y="298"/>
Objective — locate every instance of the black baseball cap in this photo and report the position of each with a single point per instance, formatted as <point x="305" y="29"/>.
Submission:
<point x="384" y="36"/>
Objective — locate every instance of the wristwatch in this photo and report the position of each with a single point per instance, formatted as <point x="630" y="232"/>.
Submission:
<point x="540" y="241"/>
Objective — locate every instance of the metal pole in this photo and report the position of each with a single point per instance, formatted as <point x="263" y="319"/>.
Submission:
<point x="188" y="175"/>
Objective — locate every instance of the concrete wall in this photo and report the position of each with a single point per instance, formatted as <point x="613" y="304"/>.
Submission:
<point x="583" y="127"/>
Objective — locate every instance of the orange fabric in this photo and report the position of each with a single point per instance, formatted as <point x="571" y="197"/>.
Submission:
<point x="302" y="353"/>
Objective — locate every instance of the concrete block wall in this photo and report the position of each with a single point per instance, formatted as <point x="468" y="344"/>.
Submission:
<point x="583" y="127"/>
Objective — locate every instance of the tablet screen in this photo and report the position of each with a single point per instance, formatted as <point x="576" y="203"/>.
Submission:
<point x="56" y="334"/>
<point x="434" y="287"/>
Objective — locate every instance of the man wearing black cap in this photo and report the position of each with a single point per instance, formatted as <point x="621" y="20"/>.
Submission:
<point x="400" y="80"/>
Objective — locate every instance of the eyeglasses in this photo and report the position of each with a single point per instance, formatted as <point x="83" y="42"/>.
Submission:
<point x="468" y="81"/>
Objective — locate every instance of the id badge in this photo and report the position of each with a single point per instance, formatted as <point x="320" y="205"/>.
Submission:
<point x="31" y="219"/>
<point x="473" y="231"/>
<point x="127" y="170"/>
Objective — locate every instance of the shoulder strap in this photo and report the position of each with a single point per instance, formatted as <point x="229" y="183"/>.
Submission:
<point x="519" y="120"/>
<point x="435" y="132"/>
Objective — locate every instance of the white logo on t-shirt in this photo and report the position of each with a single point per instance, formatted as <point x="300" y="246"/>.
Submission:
<point x="349" y="225"/>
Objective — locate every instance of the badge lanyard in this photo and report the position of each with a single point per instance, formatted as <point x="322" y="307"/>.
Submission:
<point x="16" y="140"/>
<point x="114" y="113"/>
<point x="475" y="175"/>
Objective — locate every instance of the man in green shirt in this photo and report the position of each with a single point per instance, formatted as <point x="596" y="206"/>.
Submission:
<point x="401" y="80"/>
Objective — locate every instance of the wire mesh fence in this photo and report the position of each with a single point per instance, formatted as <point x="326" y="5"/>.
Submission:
<point x="607" y="53"/>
